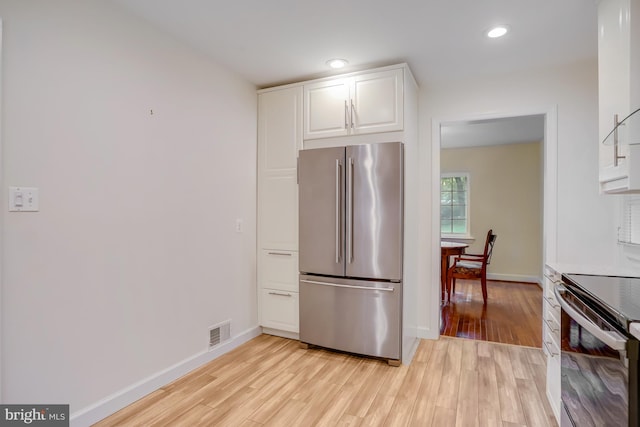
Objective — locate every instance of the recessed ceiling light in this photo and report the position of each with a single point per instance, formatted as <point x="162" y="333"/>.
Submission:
<point x="337" y="63"/>
<point x="498" y="31"/>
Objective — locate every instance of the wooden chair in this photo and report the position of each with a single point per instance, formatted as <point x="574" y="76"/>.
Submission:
<point x="472" y="266"/>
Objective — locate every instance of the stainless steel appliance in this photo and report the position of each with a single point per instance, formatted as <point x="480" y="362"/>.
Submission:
<point x="351" y="238"/>
<point x="599" y="361"/>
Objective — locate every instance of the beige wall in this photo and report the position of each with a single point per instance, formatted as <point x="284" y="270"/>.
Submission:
<point x="506" y="196"/>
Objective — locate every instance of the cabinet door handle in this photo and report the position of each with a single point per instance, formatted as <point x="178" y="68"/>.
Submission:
<point x="346" y="114"/>
<point x="616" y="155"/>
<point x="551" y="353"/>
<point x="550" y="326"/>
<point x="280" y="294"/>
<point x="279" y="253"/>
<point x="551" y="302"/>
<point x="353" y="109"/>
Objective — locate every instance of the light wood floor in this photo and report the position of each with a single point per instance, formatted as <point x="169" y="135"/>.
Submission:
<point x="512" y="315"/>
<point x="271" y="381"/>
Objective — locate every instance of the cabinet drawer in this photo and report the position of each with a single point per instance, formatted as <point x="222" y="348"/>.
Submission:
<point x="551" y="330"/>
<point x="278" y="269"/>
<point x="553" y="376"/>
<point x="279" y="309"/>
<point x="552" y="308"/>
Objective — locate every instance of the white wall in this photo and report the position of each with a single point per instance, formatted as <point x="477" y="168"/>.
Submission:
<point x="585" y="225"/>
<point x="133" y="254"/>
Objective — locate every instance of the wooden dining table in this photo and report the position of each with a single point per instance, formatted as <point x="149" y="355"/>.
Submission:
<point x="447" y="250"/>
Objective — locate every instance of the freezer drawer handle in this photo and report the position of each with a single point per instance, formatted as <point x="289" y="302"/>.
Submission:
<point x="610" y="338"/>
<point x="279" y="253"/>
<point x="365" y="288"/>
<point x="279" y="294"/>
<point x="338" y="208"/>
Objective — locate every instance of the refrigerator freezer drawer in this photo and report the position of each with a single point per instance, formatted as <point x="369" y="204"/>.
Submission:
<point x="356" y="316"/>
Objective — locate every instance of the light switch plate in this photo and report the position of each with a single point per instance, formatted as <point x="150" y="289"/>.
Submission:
<point x="23" y="199"/>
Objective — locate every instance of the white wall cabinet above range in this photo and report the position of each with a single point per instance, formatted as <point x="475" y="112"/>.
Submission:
<point x="363" y="103"/>
<point x="619" y="95"/>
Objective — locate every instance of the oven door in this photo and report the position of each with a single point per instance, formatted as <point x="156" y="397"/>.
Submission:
<point x="594" y="367"/>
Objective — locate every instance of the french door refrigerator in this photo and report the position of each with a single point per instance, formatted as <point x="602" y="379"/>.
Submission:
<point x="350" y="254"/>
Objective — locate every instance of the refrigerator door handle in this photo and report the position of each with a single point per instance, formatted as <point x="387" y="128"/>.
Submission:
<point x="350" y="210"/>
<point x="365" y="288"/>
<point x="338" y="207"/>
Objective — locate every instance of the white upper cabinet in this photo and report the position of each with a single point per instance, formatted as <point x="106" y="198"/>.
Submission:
<point x="619" y="94"/>
<point x="358" y="104"/>
<point x="279" y="139"/>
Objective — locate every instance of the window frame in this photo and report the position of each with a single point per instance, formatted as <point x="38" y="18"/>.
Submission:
<point x="458" y="236"/>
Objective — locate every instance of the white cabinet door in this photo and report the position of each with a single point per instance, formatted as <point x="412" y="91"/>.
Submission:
<point x="279" y="139"/>
<point x="279" y="129"/>
<point x="619" y="93"/>
<point x="377" y="102"/>
<point x="364" y="103"/>
<point x="326" y="109"/>
<point x="278" y="211"/>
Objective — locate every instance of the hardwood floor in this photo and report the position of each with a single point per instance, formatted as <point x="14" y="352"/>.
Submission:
<point x="512" y="315"/>
<point x="271" y="381"/>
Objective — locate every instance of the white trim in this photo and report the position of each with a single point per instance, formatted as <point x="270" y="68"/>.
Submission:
<point x="428" y="333"/>
<point x="2" y="217"/>
<point x="456" y="237"/>
<point x="467" y="208"/>
<point x="514" y="278"/>
<point x="409" y="347"/>
<point x="281" y="333"/>
<point x="118" y="400"/>
<point x="550" y="203"/>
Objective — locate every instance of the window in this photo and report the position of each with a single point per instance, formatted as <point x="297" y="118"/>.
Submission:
<point x="454" y="205"/>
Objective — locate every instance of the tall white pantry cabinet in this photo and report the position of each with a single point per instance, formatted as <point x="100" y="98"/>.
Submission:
<point x="279" y="139"/>
<point x="372" y="106"/>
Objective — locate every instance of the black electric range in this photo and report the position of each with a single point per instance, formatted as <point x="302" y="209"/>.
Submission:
<point x="619" y="297"/>
<point x="599" y="360"/>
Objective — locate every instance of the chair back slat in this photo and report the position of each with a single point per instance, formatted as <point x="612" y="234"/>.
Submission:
<point x="488" y="246"/>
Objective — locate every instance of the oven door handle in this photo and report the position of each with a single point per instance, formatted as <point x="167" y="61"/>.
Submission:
<point x="610" y="338"/>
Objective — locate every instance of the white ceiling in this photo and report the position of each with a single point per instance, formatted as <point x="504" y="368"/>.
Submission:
<point x="512" y="130"/>
<point x="276" y="41"/>
<point x="270" y="42"/>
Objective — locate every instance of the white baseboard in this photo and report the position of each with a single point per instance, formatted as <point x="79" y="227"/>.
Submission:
<point x="279" y="333"/>
<point x="514" y="278"/>
<point x="118" y="400"/>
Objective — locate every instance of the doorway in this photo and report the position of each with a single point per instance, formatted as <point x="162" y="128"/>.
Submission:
<point x="506" y="160"/>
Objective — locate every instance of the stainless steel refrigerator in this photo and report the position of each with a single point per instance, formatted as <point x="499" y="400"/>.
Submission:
<point x="351" y="238"/>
